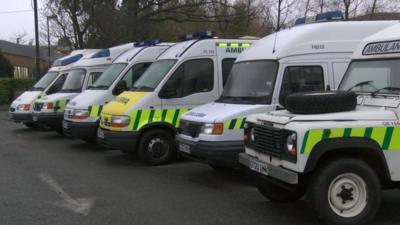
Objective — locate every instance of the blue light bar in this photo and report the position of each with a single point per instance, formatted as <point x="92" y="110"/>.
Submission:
<point x="148" y="43"/>
<point x="66" y="61"/>
<point x="299" y="21"/>
<point x="329" y="16"/>
<point x="102" y="53"/>
<point x="199" y="35"/>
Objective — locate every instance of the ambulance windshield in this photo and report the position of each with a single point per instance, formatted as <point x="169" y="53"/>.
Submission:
<point x="45" y="81"/>
<point x="153" y="75"/>
<point x="250" y="82"/>
<point x="108" y="76"/>
<point x="373" y="76"/>
<point x="74" y="81"/>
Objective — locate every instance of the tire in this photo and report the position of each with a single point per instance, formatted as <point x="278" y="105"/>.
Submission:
<point x="276" y="193"/>
<point x="321" y="102"/>
<point x="156" y="147"/>
<point x="338" y="181"/>
<point x="31" y="125"/>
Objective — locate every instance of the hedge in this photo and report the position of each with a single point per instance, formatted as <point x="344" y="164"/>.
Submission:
<point x="9" y="85"/>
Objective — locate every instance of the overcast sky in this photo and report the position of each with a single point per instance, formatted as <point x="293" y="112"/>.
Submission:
<point x="16" y="16"/>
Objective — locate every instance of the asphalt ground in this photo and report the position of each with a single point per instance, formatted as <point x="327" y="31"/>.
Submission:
<point x="49" y="179"/>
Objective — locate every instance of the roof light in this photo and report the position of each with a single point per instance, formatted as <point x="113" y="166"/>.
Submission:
<point x="102" y="53"/>
<point x="66" y="61"/>
<point x="322" y="17"/>
<point x="148" y="43"/>
<point x="199" y="35"/>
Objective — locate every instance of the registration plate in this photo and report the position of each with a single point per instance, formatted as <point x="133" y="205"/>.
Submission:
<point x="259" y="167"/>
<point x="100" y="134"/>
<point x="35" y="118"/>
<point x="65" y="124"/>
<point x="184" y="148"/>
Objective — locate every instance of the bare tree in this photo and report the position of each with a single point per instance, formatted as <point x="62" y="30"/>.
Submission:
<point x="19" y="37"/>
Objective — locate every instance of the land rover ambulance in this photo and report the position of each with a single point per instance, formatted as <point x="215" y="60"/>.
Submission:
<point x="311" y="57"/>
<point x="49" y="110"/>
<point x="82" y="113"/>
<point x="22" y="107"/>
<point x="188" y="74"/>
<point x="342" y="148"/>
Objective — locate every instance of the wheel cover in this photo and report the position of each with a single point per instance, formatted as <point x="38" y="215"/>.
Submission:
<point x="347" y="195"/>
<point x="157" y="148"/>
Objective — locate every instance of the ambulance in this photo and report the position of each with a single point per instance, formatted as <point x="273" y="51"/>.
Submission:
<point x="340" y="149"/>
<point x="190" y="73"/>
<point x="81" y="116"/>
<point x="49" y="110"/>
<point x="310" y="57"/>
<point x="21" y="108"/>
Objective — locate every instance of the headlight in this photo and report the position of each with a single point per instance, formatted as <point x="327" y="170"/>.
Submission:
<point x="252" y="136"/>
<point x="48" y="105"/>
<point x="291" y="141"/>
<point x="212" y="128"/>
<point x="120" y="121"/>
<point x="23" y="107"/>
<point x="80" y="114"/>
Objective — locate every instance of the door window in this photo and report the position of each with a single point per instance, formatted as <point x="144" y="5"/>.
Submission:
<point x="133" y="74"/>
<point x="57" y="85"/>
<point x="191" y="77"/>
<point x="93" y="76"/>
<point x="226" y="69"/>
<point x="301" y="79"/>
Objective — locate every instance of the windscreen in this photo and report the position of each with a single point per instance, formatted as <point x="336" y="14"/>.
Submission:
<point x="373" y="76"/>
<point x="45" y="81"/>
<point x="74" y="81"/>
<point x="153" y="75"/>
<point x="250" y="82"/>
<point x="108" y="77"/>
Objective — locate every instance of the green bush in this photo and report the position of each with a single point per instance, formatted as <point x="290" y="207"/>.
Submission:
<point x="8" y="85"/>
<point x="6" y="69"/>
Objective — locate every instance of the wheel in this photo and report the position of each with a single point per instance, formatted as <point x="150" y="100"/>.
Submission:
<point x="156" y="147"/>
<point x="321" y="102"/>
<point x="276" y="193"/>
<point x="345" y="191"/>
<point x="31" y="125"/>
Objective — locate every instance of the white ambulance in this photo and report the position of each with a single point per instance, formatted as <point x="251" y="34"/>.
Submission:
<point x="190" y="73"/>
<point x="340" y="149"/>
<point x="311" y="57"/>
<point x="49" y="110"/>
<point x="81" y="116"/>
<point x="22" y="107"/>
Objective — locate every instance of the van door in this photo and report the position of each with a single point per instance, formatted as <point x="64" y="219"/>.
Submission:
<point x="92" y="75"/>
<point x="302" y="78"/>
<point x="194" y="82"/>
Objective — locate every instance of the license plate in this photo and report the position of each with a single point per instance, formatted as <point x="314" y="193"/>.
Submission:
<point x="65" y="124"/>
<point x="259" y="167"/>
<point x="35" y="118"/>
<point x="100" y="134"/>
<point x="184" y="148"/>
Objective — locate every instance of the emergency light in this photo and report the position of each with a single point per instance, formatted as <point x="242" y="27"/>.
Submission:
<point x="198" y="35"/>
<point x="66" y="61"/>
<point x="101" y="53"/>
<point x="322" y="17"/>
<point x="148" y="43"/>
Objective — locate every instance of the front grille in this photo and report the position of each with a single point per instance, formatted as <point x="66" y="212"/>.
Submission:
<point x="38" y="106"/>
<point x="190" y="128"/>
<point x="268" y="140"/>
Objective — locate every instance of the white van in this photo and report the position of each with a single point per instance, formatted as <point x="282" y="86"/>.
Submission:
<point x="22" y="107"/>
<point x="81" y="116"/>
<point x="188" y="74"/>
<point x="49" y="110"/>
<point x="311" y="57"/>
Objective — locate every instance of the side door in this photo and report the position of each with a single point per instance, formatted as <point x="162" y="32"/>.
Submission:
<point x="56" y="85"/>
<point x="225" y="65"/>
<point x="194" y="82"/>
<point x="304" y="77"/>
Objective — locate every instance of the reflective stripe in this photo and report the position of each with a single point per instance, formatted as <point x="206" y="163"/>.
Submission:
<point x="233" y="44"/>
<point x="140" y="118"/>
<point x="234" y="124"/>
<point x="94" y="110"/>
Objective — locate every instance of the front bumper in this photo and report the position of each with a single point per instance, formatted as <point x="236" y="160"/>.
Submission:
<point x="48" y="119"/>
<point x="269" y="170"/>
<point x="20" y="117"/>
<point x="222" y="153"/>
<point x="122" y="140"/>
<point x="82" y="130"/>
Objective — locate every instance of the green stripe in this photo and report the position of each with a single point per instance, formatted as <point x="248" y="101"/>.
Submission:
<point x="368" y="132"/>
<point x="164" y="115"/>
<point x="137" y="119"/>
<point x="388" y="138"/>
<point x="305" y="142"/>
<point x="90" y="110"/>
<point x="175" y="117"/>
<point x="232" y="124"/>
<point x="100" y="109"/>
<point x="326" y="134"/>
<point x="151" y="115"/>
<point x="57" y="106"/>
<point x="242" y="125"/>
<point x="347" y="132"/>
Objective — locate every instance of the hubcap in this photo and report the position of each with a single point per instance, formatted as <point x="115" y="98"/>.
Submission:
<point x="157" y="147"/>
<point x="347" y="195"/>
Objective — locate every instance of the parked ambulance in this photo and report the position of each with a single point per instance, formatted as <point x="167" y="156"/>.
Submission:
<point x="81" y="116"/>
<point x="22" y="107"/>
<point x="311" y="57"/>
<point x="49" y="110"/>
<point x="190" y="73"/>
<point x="341" y="149"/>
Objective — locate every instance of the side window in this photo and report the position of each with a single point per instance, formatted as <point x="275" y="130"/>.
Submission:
<point x="301" y="79"/>
<point x="134" y="73"/>
<point x="93" y="76"/>
<point x="226" y="69"/>
<point x="193" y="76"/>
<point x="57" y="85"/>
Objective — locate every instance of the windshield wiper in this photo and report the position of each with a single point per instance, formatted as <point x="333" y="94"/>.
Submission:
<point x="142" y="88"/>
<point x="373" y="94"/>
<point x="71" y="90"/>
<point x="37" y="89"/>
<point x="98" y="87"/>
<point x="362" y="83"/>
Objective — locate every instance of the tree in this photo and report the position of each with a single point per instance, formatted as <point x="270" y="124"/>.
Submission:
<point x="6" y="69"/>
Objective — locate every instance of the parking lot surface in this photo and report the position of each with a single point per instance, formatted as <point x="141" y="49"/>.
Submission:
<point x="49" y="179"/>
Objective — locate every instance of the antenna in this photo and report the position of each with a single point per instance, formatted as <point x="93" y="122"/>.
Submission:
<point x="276" y="34"/>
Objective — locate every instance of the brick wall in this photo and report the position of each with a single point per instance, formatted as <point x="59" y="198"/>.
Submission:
<point x="27" y="62"/>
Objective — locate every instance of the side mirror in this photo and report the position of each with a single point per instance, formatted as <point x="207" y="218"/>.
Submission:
<point x="120" y="87"/>
<point x="168" y="91"/>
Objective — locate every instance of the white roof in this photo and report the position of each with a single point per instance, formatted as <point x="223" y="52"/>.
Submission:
<point x="328" y="37"/>
<point x="85" y="52"/>
<point x="383" y="44"/>
<point x="129" y="55"/>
